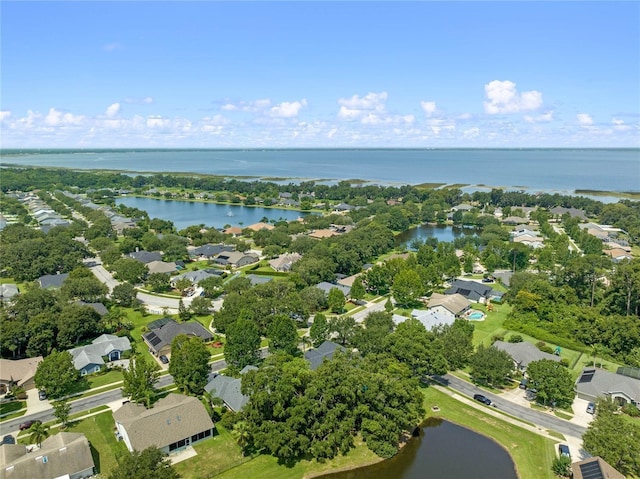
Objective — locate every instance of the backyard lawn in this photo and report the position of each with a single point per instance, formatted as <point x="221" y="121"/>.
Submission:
<point x="105" y="449"/>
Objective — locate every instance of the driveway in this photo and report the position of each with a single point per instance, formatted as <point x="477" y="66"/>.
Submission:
<point x="95" y="265"/>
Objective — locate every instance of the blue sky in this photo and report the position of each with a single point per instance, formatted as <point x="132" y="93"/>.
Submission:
<point x="320" y="74"/>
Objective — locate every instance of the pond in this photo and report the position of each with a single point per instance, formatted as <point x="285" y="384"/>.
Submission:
<point x="441" y="232"/>
<point x="187" y="213"/>
<point x="442" y="451"/>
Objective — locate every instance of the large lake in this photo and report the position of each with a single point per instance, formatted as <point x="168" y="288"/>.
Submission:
<point x="554" y="170"/>
<point x="187" y="213"/>
<point x="442" y="451"/>
<point x="440" y="232"/>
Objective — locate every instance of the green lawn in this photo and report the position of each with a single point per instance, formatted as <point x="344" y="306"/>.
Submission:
<point x="13" y="406"/>
<point x="105" y="449"/>
<point x="532" y="454"/>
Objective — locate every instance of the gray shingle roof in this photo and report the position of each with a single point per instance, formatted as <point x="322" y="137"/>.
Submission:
<point x="602" y="383"/>
<point x="471" y="290"/>
<point x="164" y="335"/>
<point x="52" y="280"/>
<point x="524" y="353"/>
<point x="317" y="356"/>
<point x="228" y="389"/>
<point x="432" y="317"/>
<point x="326" y="287"/>
<point x="101" y="346"/>
<point x="146" y="256"/>
<point x="172" y="419"/>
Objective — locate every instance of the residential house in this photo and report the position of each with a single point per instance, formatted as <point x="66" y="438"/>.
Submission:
<point x="161" y="267"/>
<point x="326" y="287"/>
<point x="260" y="226"/>
<point x="596" y="383"/>
<point x="233" y="230"/>
<point x="325" y="351"/>
<point x="17" y="373"/>
<point x="472" y="290"/>
<point x="285" y="261"/>
<point x="323" y="233"/>
<point x="524" y="353"/>
<point x="595" y="468"/>
<point x="163" y="331"/>
<point x="453" y="305"/>
<point x="348" y="280"/>
<point x="89" y="359"/>
<point x="146" y="256"/>
<point x="343" y="207"/>
<point x="209" y="251"/>
<point x="529" y="240"/>
<point x="573" y="212"/>
<point x="8" y="291"/>
<point x="462" y="207"/>
<point x="514" y="220"/>
<point x="236" y="259"/>
<point x="618" y="254"/>
<point x="431" y="318"/>
<point x="67" y="455"/>
<point x="173" y="423"/>
<point x="196" y="276"/>
<point x="99" y="308"/>
<point x="52" y="280"/>
<point x="228" y="389"/>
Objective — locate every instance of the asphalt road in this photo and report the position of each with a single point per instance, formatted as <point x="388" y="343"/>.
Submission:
<point x="100" y="399"/>
<point x="539" y="418"/>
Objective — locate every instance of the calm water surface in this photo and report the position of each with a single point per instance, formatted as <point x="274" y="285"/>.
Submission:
<point x="554" y="170"/>
<point x="441" y="232"/>
<point x="187" y="213"/>
<point x="443" y="451"/>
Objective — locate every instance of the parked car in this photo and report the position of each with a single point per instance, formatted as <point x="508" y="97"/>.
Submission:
<point x="164" y="359"/>
<point x="27" y="425"/>
<point x="563" y="449"/>
<point x="523" y="384"/>
<point x="8" y="439"/>
<point x="482" y="399"/>
<point x="591" y="408"/>
<point x="42" y="395"/>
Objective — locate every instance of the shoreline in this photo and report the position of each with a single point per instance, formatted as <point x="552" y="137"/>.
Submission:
<point x="586" y="192"/>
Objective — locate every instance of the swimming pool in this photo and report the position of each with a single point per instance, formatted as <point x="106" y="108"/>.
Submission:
<point x="476" y="315"/>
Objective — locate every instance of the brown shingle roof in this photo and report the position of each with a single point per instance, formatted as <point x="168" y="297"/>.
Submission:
<point x="18" y="370"/>
<point x="173" y="418"/>
<point x="456" y="303"/>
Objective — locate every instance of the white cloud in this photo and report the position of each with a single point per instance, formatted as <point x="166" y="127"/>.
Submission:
<point x="471" y="133"/>
<point x="4" y="115"/>
<point x="148" y="99"/>
<point x="113" y="110"/>
<point x="248" y="106"/>
<point x="620" y="125"/>
<point x="543" y="118"/>
<point x="332" y="133"/>
<point x="465" y="116"/>
<point x="429" y="107"/>
<point x="584" y="119"/>
<point x="503" y="97"/>
<point x="287" y="109"/>
<point x="157" y="122"/>
<point x="58" y="118"/>
<point x="359" y="107"/>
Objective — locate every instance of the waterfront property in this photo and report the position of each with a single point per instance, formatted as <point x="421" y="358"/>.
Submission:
<point x="173" y="423"/>
<point x="595" y="468"/>
<point x="596" y="383"/>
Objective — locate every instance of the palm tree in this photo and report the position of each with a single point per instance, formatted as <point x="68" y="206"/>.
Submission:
<point x="39" y="432"/>
<point x="240" y="433"/>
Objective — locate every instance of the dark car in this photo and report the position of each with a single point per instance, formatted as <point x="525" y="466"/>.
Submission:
<point x="42" y="395"/>
<point x="482" y="399"/>
<point x="164" y="359"/>
<point x="8" y="439"/>
<point x="563" y="449"/>
<point x="27" y="425"/>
